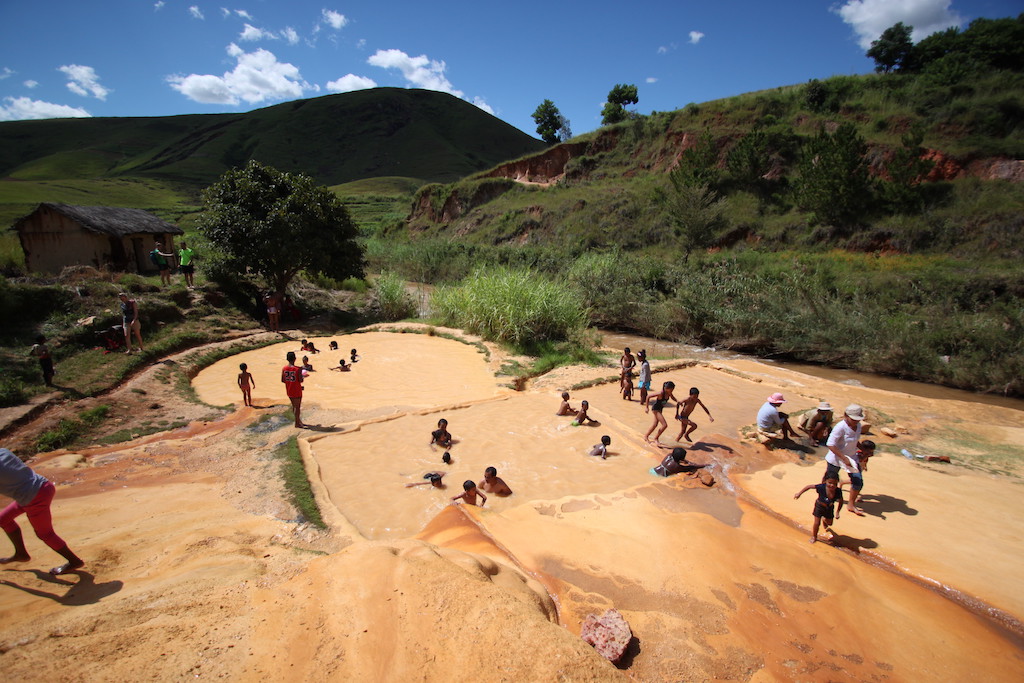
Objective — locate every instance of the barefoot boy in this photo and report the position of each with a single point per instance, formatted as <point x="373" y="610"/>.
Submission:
<point x="829" y="494"/>
<point x="683" y="410"/>
<point x="581" y="415"/>
<point x="601" y="449"/>
<point x="440" y="436"/>
<point x="291" y="375"/>
<point x="565" y="408"/>
<point x="246" y="383"/>
<point x="470" y="493"/>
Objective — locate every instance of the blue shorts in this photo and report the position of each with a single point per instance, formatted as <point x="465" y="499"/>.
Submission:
<point x="856" y="481"/>
<point x="644" y="385"/>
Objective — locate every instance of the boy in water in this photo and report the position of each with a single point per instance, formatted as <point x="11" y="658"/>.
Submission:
<point x="829" y="494"/>
<point x="626" y="363"/>
<point x="307" y="367"/>
<point x="470" y="493"/>
<point x="291" y="375"/>
<point x="492" y="483"/>
<point x="440" y="436"/>
<point x="333" y="346"/>
<point x="674" y="463"/>
<point x="601" y="449"/>
<point x="565" y="408"/>
<point x="683" y="410"/>
<point x="354" y="357"/>
<point x="309" y="346"/>
<point x="41" y="351"/>
<point x="342" y="367"/>
<point x="581" y="415"/>
<point x="246" y="383"/>
<point x="627" y="387"/>
<point x="432" y="478"/>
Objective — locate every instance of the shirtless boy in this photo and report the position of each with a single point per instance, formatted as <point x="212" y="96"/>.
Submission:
<point x="440" y="436"/>
<point x="601" y="449"/>
<point x="492" y="483"/>
<point x="246" y="383"/>
<point x="626" y="362"/>
<point x="683" y="410"/>
<point x="470" y="493"/>
<point x="582" y="417"/>
<point x="565" y="408"/>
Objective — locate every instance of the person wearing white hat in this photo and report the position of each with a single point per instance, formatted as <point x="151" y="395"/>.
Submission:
<point x="769" y="419"/>
<point x="842" y="447"/>
<point x="817" y="422"/>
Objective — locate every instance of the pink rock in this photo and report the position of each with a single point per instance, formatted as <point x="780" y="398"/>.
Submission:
<point x="609" y="634"/>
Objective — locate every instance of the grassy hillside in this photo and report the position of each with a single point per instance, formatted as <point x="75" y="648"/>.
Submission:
<point x="418" y="134"/>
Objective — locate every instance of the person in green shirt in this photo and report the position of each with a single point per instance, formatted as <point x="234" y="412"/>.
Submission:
<point x="185" y="256"/>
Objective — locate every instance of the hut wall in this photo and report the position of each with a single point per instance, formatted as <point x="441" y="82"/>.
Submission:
<point x="52" y="241"/>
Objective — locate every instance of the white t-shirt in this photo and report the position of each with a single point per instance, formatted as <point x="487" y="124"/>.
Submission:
<point x="844" y="439"/>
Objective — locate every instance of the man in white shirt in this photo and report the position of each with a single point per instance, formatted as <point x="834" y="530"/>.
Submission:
<point x="842" y="444"/>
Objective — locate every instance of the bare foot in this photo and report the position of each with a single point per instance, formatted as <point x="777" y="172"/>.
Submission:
<point x="814" y="539"/>
<point x="857" y="511"/>
<point x="67" y="567"/>
<point x="17" y="557"/>
<point x="687" y="437"/>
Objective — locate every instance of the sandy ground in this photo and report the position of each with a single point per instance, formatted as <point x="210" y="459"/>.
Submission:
<point x="197" y="566"/>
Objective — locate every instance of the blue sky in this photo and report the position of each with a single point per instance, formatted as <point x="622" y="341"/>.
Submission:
<point x="163" y="57"/>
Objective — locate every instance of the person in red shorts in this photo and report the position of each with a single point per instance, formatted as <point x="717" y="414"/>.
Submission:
<point x="291" y="375"/>
<point x="31" y="494"/>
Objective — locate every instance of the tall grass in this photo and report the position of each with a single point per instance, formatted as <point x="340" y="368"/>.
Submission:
<point x="517" y="307"/>
<point x="392" y="301"/>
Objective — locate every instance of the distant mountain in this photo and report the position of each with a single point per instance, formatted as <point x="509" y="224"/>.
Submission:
<point x="420" y="134"/>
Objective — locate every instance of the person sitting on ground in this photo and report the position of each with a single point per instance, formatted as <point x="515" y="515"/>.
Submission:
<point x="582" y="417"/>
<point x="470" y="493"/>
<point x="829" y="493"/>
<point x="30" y="494"/>
<point x="492" y="483"/>
<point x="817" y="422"/>
<point x="333" y="346"/>
<point x="683" y="410"/>
<point x="307" y="367"/>
<point x="565" y="408"/>
<point x="432" y="478"/>
<point x="601" y="449"/>
<point x="674" y="463"/>
<point x="354" y="357"/>
<point x="342" y="366"/>
<point x="769" y="420"/>
<point x="440" y="436"/>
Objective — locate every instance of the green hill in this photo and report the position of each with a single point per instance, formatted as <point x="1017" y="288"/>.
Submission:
<point x="418" y="134"/>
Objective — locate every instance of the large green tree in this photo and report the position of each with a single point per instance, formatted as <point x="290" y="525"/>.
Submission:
<point x="551" y="125"/>
<point x="277" y="224"/>
<point x="614" y="109"/>
<point x="893" y="47"/>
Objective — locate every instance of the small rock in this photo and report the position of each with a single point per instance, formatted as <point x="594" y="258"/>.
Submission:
<point x="888" y="431"/>
<point x="707" y="478"/>
<point x="937" y="458"/>
<point x="609" y="634"/>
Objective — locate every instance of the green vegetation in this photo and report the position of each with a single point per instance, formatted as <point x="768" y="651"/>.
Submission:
<point x="551" y="125"/>
<point x="514" y="307"/>
<point x="296" y="483"/>
<point x="69" y="431"/>
<point x="614" y="110"/>
<point x="276" y="225"/>
<point x="392" y="301"/>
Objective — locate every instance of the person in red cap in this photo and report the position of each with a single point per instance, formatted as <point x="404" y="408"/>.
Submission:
<point x="770" y="420"/>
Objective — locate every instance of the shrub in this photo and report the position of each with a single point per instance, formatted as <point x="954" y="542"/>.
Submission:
<point x="392" y="301"/>
<point x="517" y="307"/>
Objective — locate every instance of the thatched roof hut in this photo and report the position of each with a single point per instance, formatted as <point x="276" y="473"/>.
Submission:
<point x="58" y="235"/>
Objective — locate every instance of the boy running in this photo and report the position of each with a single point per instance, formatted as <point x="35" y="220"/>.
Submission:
<point x="683" y="410"/>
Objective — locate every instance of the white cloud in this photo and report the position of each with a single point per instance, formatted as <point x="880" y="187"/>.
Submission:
<point x="869" y="18"/>
<point x="251" y="33"/>
<point x="420" y="72"/>
<point x="195" y="12"/>
<point x="30" y="84"/>
<point x="257" y="77"/>
<point x="6" y="73"/>
<point x="84" y="81"/>
<point x="242" y="13"/>
<point x="334" y="19"/>
<point x="350" y="82"/>
<point x="21" y="108"/>
<point x="479" y="102"/>
<point x="225" y="12"/>
<point x="290" y="35"/>
<point x="361" y="43"/>
<point x="651" y="79"/>
<point x="662" y="50"/>
<point x="695" y="37"/>
<point x="159" y="5"/>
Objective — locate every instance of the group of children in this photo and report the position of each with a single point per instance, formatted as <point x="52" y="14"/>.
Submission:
<point x="292" y="375"/>
<point x="471" y="491"/>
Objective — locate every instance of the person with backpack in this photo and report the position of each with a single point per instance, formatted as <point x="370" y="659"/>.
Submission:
<point x="159" y="259"/>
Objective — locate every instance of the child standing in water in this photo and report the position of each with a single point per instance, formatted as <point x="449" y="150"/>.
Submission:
<point x="829" y="494"/>
<point x="246" y="383"/>
<point x="683" y="410"/>
<point x="440" y="436"/>
<point x="470" y="493"/>
<point x="656" y="404"/>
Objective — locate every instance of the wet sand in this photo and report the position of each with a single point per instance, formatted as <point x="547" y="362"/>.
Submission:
<point x="188" y="577"/>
